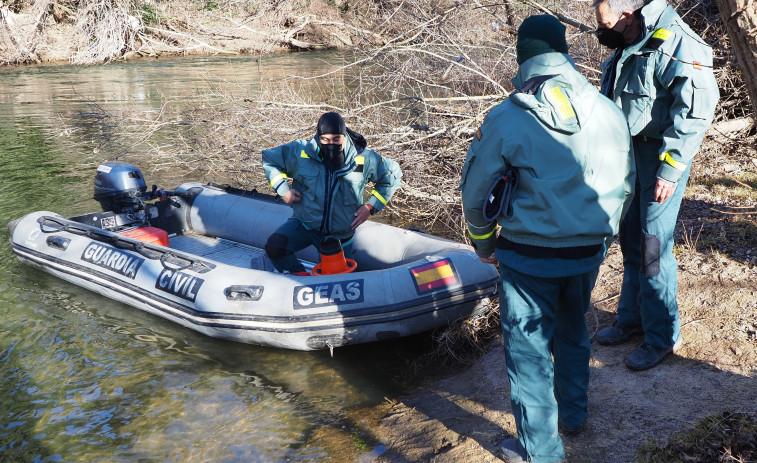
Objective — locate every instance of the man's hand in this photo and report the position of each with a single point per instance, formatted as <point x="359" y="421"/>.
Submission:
<point x="361" y="215"/>
<point x="292" y="196"/>
<point x="663" y="190"/>
<point x="489" y="260"/>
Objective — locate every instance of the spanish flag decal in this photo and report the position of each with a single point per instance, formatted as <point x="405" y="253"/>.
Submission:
<point x="433" y="276"/>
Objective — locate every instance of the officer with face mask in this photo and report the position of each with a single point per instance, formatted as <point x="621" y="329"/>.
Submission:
<point x="661" y="77"/>
<point x="328" y="176"/>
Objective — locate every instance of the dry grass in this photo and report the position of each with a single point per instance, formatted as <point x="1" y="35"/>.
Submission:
<point x="727" y="437"/>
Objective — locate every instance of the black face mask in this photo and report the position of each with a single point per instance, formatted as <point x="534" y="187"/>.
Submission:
<point x="333" y="156"/>
<point x="610" y="38"/>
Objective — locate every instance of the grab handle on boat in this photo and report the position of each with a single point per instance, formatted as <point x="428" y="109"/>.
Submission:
<point x="243" y="293"/>
<point x="188" y="263"/>
<point x="169" y="255"/>
<point x="58" y="242"/>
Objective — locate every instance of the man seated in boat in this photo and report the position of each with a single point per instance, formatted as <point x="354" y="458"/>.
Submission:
<point x="329" y="174"/>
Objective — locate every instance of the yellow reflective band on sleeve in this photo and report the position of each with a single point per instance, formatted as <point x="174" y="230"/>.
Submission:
<point x="562" y="103"/>
<point x="303" y="154"/>
<point x="276" y="178"/>
<point x="666" y="157"/>
<point x="360" y="160"/>
<point x="662" y="34"/>
<point x="481" y="237"/>
<point x="378" y="196"/>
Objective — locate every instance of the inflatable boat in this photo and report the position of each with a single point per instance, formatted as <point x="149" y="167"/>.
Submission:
<point x="195" y="256"/>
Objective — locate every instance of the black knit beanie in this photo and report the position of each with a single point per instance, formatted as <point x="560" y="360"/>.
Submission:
<point x="540" y="34"/>
<point x="332" y="124"/>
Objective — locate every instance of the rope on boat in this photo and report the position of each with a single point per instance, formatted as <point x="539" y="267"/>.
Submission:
<point x="171" y="260"/>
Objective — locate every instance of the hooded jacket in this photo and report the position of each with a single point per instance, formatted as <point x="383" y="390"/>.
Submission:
<point x="665" y="86"/>
<point x="330" y="198"/>
<point x="574" y="157"/>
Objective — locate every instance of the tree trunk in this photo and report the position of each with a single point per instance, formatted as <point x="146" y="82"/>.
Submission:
<point x="740" y="18"/>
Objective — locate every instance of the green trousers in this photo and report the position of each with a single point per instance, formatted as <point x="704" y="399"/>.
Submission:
<point x="648" y="297"/>
<point x="547" y="349"/>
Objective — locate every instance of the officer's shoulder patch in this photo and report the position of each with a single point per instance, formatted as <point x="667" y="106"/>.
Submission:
<point x="561" y="102"/>
<point x="658" y="38"/>
<point x="479" y="134"/>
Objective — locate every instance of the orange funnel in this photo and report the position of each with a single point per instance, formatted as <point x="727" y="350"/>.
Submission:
<point x="333" y="261"/>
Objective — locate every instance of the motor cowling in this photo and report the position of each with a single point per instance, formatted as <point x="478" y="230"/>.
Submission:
<point x="118" y="187"/>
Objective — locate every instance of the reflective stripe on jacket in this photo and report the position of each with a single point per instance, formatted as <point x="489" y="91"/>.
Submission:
<point x="574" y="157"/>
<point x="665" y="86"/>
<point x="329" y="199"/>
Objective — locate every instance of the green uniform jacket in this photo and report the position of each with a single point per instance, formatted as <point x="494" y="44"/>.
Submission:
<point x="573" y="153"/>
<point x="330" y="199"/>
<point x="665" y="86"/>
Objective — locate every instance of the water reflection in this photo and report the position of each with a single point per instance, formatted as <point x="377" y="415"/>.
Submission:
<point x="85" y="378"/>
<point x="55" y="87"/>
<point x="98" y="380"/>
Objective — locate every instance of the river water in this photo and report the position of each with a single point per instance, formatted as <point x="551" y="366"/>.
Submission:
<point x="85" y="378"/>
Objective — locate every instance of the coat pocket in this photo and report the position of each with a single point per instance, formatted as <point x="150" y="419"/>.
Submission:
<point x="701" y="107"/>
<point x="637" y="97"/>
<point x="351" y="190"/>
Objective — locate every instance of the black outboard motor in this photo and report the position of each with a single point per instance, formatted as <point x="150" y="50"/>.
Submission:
<point x="119" y="187"/>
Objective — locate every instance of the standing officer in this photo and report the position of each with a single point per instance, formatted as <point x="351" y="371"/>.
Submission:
<point x="569" y="149"/>
<point x="329" y="174"/>
<point x="661" y="77"/>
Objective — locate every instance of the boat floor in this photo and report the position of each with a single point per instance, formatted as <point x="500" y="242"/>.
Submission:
<point x="223" y="251"/>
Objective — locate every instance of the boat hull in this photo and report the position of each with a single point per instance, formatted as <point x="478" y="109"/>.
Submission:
<point x="218" y="291"/>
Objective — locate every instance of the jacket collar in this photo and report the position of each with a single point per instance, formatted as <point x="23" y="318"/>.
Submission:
<point x="544" y="64"/>
<point x="553" y="91"/>
<point x="651" y="14"/>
